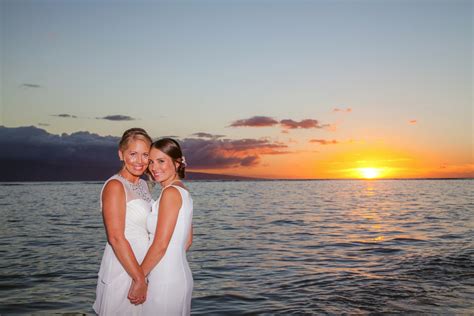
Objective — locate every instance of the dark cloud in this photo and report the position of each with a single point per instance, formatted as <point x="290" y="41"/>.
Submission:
<point x="305" y="124"/>
<point x="413" y="122"/>
<point x="36" y="144"/>
<point x="30" y="85"/>
<point x="347" y="110"/>
<point x="116" y="118"/>
<point x="108" y="117"/>
<point x="64" y="115"/>
<point x="227" y="153"/>
<point x="249" y="161"/>
<point x="324" y="141"/>
<point x="262" y="121"/>
<point x="34" y="154"/>
<point x="207" y="135"/>
<point x="256" y="121"/>
<point x="83" y="155"/>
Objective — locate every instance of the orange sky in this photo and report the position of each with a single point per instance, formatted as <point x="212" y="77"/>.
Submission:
<point x="298" y="89"/>
<point x="352" y="160"/>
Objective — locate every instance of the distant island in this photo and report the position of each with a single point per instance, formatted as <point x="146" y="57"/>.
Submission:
<point x="33" y="170"/>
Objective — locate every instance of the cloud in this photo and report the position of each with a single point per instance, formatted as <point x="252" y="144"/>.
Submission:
<point x="346" y="110"/>
<point x="227" y="153"/>
<point x="116" y="118"/>
<point x="34" y="154"/>
<point x="43" y="124"/>
<point x="108" y="117"/>
<point x="86" y="153"/>
<point x="37" y="144"/>
<point x="286" y="124"/>
<point x="324" y="141"/>
<point x="207" y="135"/>
<point x="30" y="85"/>
<point x="305" y="124"/>
<point x="256" y="121"/>
<point x="64" y="115"/>
<point x="413" y="122"/>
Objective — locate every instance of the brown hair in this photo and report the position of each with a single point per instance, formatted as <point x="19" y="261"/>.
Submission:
<point x="171" y="147"/>
<point x="135" y="133"/>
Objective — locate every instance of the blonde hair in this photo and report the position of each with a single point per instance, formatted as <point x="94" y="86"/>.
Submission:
<point x="135" y="133"/>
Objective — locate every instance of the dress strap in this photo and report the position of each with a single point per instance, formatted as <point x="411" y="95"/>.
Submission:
<point x="114" y="177"/>
<point x="171" y="184"/>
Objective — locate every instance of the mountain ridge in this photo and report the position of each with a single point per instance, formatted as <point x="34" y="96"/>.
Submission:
<point x="35" y="171"/>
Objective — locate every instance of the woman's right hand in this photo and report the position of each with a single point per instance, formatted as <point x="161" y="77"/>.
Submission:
<point x="137" y="292"/>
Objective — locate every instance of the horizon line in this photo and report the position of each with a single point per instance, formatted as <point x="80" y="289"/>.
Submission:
<point x="249" y="179"/>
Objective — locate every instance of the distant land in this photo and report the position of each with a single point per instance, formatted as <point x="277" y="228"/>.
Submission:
<point x="27" y="171"/>
<point x="33" y="171"/>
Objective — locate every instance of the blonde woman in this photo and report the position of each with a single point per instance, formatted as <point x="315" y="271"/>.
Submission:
<point x="126" y="203"/>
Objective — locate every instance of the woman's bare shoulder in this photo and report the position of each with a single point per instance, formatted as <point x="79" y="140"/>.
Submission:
<point x="113" y="186"/>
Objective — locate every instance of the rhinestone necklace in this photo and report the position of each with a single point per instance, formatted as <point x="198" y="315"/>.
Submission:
<point x="137" y="189"/>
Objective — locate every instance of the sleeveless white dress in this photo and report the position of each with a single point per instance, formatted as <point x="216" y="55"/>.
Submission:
<point x="170" y="283"/>
<point x="114" y="282"/>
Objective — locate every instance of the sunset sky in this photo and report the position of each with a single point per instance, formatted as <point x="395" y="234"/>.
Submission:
<point x="276" y="89"/>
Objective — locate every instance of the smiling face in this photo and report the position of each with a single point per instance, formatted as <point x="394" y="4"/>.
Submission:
<point x="162" y="167"/>
<point x="135" y="158"/>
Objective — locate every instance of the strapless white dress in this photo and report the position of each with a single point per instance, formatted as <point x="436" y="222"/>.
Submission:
<point x="114" y="282"/>
<point x="171" y="282"/>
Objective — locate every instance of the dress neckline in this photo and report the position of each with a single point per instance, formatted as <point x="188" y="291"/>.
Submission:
<point x="128" y="181"/>
<point x="137" y="188"/>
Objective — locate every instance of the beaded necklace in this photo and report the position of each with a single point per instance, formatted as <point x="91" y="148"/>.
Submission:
<point x="137" y="188"/>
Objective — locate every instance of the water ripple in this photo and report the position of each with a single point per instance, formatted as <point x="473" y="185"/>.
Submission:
<point x="277" y="247"/>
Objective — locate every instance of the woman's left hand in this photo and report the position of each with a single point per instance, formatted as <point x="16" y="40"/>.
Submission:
<point x="137" y="292"/>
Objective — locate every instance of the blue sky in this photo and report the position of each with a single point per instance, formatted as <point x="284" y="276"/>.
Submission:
<point x="182" y="67"/>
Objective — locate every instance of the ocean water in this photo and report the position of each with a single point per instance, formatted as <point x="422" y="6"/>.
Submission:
<point x="272" y="247"/>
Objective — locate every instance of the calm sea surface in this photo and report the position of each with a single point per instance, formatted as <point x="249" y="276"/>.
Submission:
<point x="277" y="247"/>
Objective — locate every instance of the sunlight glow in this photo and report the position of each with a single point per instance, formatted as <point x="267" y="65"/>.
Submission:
<point x="369" y="173"/>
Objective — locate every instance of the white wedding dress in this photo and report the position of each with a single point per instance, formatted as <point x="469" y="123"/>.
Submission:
<point x="114" y="282"/>
<point x="171" y="282"/>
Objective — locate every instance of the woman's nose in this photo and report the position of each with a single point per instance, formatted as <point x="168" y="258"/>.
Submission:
<point x="140" y="159"/>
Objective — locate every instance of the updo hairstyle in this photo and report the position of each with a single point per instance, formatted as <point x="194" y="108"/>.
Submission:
<point x="171" y="148"/>
<point x="131" y="134"/>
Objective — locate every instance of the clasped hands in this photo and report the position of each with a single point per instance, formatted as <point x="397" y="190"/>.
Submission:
<point x="138" y="291"/>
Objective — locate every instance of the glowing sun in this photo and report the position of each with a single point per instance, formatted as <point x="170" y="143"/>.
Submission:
<point x="369" y="173"/>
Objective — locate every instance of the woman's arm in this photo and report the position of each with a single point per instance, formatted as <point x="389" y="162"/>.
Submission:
<point x="190" y="238"/>
<point x="113" y="212"/>
<point x="170" y="203"/>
